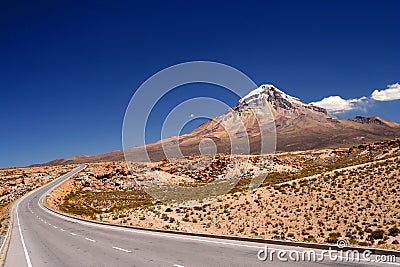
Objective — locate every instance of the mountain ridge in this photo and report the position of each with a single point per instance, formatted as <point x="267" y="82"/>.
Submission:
<point x="299" y="126"/>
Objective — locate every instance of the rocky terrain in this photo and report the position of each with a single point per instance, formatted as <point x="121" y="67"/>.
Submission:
<point x="299" y="126"/>
<point x="360" y="205"/>
<point x="350" y="193"/>
<point x="16" y="182"/>
<point x="101" y="187"/>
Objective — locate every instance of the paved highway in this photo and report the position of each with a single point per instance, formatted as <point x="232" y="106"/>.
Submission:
<point x="41" y="237"/>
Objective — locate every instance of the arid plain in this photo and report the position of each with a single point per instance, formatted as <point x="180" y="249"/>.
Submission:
<point x="313" y="196"/>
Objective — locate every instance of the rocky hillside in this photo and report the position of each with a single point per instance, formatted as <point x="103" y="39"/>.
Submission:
<point x="299" y="126"/>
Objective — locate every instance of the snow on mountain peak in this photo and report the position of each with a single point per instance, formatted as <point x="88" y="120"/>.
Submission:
<point x="268" y="90"/>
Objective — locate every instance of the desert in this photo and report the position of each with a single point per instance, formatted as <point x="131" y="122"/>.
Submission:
<point x="353" y="195"/>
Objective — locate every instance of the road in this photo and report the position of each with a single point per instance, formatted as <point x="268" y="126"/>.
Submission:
<point x="40" y="237"/>
<point x="348" y="168"/>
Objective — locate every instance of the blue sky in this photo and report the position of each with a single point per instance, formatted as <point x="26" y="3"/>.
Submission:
<point x="69" y="68"/>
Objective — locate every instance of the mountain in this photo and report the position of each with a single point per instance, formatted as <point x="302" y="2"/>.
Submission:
<point x="374" y="120"/>
<point x="110" y="156"/>
<point x="299" y="126"/>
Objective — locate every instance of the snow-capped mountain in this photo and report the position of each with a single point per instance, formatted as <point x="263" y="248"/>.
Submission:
<point x="267" y="92"/>
<point x="299" y="126"/>
<point x="277" y="99"/>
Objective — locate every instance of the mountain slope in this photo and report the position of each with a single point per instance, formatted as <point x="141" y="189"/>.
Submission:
<point x="374" y="120"/>
<point x="110" y="156"/>
<point x="299" y="126"/>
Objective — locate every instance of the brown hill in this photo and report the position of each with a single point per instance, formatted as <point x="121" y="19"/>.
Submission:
<point x="374" y="120"/>
<point x="116" y="155"/>
<point x="299" y="126"/>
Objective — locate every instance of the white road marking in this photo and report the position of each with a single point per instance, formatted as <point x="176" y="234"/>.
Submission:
<point x="28" y="260"/>
<point x="55" y="226"/>
<point x="200" y="239"/>
<point x="147" y="233"/>
<point x="91" y="240"/>
<point x="177" y="265"/>
<point x="50" y="224"/>
<point x="62" y="230"/>
<point x="143" y="231"/>
<point x="178" y="237"/>
<point x="72" y="233"/>
<point x="121" y="249"/>
<point x="7" y="234"/>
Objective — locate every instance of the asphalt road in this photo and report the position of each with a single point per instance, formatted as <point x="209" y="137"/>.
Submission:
<point x="43" y="238"/>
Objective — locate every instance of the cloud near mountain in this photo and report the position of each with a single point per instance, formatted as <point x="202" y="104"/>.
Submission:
<point x="337" y="105"/>
<point x="264" y="121"/>
<point x="389" y="94"/>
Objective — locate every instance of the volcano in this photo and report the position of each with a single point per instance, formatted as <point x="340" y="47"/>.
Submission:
<point x="298" y="126"/>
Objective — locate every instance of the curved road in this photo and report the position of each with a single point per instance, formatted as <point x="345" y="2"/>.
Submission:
<point x="41" y="237"/>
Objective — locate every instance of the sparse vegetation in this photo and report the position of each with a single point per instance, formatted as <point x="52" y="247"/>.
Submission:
<point x="16" y="182"/>
<point x="358" y="204"/>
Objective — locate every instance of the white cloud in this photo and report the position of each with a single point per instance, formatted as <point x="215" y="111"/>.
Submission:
<point x="389" y="94"/>
<point x="336" y="104"/>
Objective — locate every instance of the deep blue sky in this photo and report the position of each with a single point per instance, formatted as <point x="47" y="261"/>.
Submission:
<point x="69" y="68"/>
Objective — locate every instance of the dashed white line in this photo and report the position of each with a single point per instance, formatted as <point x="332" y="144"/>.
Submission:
<point x="62" y="230"/>
<point x="50" y="224"/>
<point x="91" y="240"/>
<point x="121" y="249"/>
<point x="145" y="233"/>
<point x="177" y="265"/>
<point x="55" y="226"/>
<point x="72" y="233"/>
<point x="170" y="236"/>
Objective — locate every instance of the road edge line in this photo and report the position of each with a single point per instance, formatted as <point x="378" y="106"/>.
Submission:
<point x="27" y="258"/>
<point x="5" y="245"/>
<point x="6" y="242"/>
<point x="322" y="246"/>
